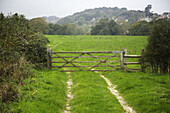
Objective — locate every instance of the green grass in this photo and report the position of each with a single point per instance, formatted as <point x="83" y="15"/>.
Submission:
<point x="146" y="93"/>
<point x="97" y="43"/>
<point x="44" y="93"/>
<point x="91" y="95"/>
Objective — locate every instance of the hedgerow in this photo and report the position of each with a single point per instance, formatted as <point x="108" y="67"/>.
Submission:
<point x="21" y="49"/>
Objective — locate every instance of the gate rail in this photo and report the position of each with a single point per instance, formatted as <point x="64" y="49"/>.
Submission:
<point x="121" y="54"/>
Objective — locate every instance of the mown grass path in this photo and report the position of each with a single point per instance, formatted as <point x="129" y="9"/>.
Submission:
<point x="91" y="95"/>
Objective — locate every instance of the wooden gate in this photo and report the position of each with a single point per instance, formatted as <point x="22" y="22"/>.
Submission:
<point x="100" y="59"/>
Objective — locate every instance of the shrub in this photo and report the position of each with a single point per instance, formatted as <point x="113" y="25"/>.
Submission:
<point x="157" y="53"/>
<point x="20" y="50"/>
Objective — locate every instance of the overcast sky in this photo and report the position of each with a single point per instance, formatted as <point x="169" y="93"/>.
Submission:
<point x="61" y="8"/>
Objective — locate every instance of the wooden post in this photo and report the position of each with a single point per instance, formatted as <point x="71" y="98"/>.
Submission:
<point x="125" y="60"/>
<point x="142" y="63"/>
<point x="49" y="60"/>
<point x="121" y="59"/>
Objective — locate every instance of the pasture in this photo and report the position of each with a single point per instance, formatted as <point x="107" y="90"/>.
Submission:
<point x="47" y="91"/>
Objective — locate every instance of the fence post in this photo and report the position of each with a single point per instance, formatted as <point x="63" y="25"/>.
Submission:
<point x="122" y="59"/>
<point x="142" y="63"/>
<point x="125" y="59"/>
<point x="49" y="60"/>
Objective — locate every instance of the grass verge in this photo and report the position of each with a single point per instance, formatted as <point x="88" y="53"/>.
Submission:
<point x="44" y="93"/>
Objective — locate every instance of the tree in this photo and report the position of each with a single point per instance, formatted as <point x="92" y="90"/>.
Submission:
<point x="39" y="25"/>
<point x="140" y="28"/>
<point x="65" y="29"/>
<point x="158" y="49"/>
<point x="147" y="10"/>
<point x="115" y="29"/>
<point x="106" y="27"/>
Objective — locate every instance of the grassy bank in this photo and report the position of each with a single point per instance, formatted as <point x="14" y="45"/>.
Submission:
<point x="44" y="93"/>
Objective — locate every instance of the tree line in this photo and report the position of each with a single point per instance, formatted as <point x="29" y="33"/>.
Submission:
<point x="41" y="26"/>
<point x="103" y="27"/>
<point x="157" y="51"/>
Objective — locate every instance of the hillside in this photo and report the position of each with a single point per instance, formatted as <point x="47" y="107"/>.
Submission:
<point x="51" y="19"/>
<point x="91" y="16"/>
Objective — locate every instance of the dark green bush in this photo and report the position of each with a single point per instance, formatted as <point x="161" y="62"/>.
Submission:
<point x="21" y="49"/>
<point x="157" y="54"/>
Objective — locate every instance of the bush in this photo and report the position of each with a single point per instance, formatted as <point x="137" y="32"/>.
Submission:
<point x="18" y="39"/>
<point x="157" y="53"/>
<point x="21" y="49"/>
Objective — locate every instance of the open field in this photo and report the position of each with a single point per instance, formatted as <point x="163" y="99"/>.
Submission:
<point x="46" y="92"/>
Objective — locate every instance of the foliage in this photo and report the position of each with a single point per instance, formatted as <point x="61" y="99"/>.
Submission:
<point x="106" y="27"/>
<point x="158" y="49"/>
<point x="147" y="10"/>
<point x="51" y="19"/>
<point x="140" y="28"/>
<point x="39" y="25"/>
<point x="85" y="17"/>
<point x="65" y="29"/>
<point x="17" y="39"/>
<point x="19" y="48"/>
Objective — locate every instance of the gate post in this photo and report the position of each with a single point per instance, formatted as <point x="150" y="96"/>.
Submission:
<point x="122" y="59"/>
<point x="125" y="59"/>
<point x="142" y="63"/>
<point x="49" y="61"/>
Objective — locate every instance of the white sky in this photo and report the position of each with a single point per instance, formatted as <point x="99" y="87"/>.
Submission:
<point x="62" y="8"/>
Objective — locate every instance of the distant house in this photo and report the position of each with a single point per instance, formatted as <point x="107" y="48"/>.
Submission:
<point x="146" y="19"/>
<point x="164" y="16"/>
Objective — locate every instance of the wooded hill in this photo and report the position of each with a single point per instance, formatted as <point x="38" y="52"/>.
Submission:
<point x="91" y="16"/>
<point x="51" y="19"/>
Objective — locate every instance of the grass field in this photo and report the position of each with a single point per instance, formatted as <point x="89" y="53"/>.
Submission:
<point x="46" y="92"/>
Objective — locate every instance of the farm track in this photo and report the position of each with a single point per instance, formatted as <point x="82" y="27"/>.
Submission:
<point x="122" y="102"/>
<point x="111" y="87"/>
<point x="115" y="92"/>
<point x="69" y="95"/>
